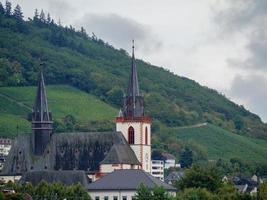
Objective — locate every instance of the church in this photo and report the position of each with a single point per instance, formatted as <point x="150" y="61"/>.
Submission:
<point x="92" y="153"/>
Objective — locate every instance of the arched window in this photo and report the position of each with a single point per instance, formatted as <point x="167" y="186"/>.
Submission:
<point x="146" y="136"/>
<point x="131" y="135"/>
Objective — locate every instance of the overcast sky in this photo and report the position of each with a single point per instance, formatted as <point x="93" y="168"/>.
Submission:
<point x="221" y="44"/>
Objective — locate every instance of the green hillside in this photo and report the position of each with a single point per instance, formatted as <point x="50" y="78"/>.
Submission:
<point x="86" y="109"/>
<point x="87" y="78"/>
<point x="220" y="143"/>
<point x="88" y="63"/>
<point x="90" y="113"/>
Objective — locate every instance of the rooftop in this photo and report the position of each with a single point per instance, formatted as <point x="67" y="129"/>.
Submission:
<point x="128" y="179"/>
<point x="67" y="177"/>
<point x="120" y="153"/>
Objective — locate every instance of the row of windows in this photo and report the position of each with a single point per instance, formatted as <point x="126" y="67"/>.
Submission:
<point x="157" y="168"/>
<point x="157" y="173"/>
<point x="131" y="135"/>
<point x="114" y="198"/>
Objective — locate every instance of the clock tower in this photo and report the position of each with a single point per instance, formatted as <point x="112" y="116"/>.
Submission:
<point x="132" y="122"/>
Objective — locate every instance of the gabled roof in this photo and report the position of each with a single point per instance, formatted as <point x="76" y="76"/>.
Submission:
<point x="120" y="154"/>
<point x="128" y="179"/>
<point x="65" y="177"/>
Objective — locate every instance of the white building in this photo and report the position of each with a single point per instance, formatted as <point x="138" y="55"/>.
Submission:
<point x="123" y="184"/>
<point x="5" y="146"/>
<point x="169" y="160"/>
<point x="157" y="169"/>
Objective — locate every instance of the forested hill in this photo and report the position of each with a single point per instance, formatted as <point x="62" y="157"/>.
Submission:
<point x="88" y="63"/>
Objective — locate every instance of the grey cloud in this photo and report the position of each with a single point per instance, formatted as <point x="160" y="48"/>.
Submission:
<point x="252" y="91"/>
<point x="120" y="31"/>
<point x="248" y="17"/>
<point x="61" y="9"/>
<point x="240" y="14"/>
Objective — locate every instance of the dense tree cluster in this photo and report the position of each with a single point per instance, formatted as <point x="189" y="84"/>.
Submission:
<point x="45" y="191"/>
<point x="201" y="184"/>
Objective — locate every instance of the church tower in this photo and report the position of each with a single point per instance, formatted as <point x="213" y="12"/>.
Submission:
<point x="135" y="126"/>
<point x="42" y="124"/>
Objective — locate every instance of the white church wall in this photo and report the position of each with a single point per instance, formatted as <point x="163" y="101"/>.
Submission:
<point x="141" y="150"/>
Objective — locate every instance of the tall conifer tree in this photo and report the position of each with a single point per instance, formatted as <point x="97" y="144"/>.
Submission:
<point x="2" y="10"/>
<point x="8" y="8"/>
<point x="18" y="12"/>
<point x="42" y="16"/>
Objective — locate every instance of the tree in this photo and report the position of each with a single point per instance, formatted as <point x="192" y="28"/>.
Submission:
<point x="196" y="194"/>
<point x="239" y="123"/>
<point x="70" y="121"/>
<point x="159" y="193"/>
<point x="143" y="193"/>
<point x="2" y="10"/>
<point x="48" y="19"/>
<point x="42" y="189"/>
<point x="42" y="16"/>
<point x="76" y="191"/>
<point x="227" y="191"/>
<point x="18" y="12"/>
<point x="1" y="196"/>
<point x="198" y="177"/>
<point x="262" y="193"/>
<point x="8" y="8"/>
<point x="36" y="15"/>
<point x="115" y="96"/>
<point x="186" y="158"/>
<point x="83" y="32"/>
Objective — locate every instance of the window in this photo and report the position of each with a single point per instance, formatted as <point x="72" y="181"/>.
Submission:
<point x="105" y="197"/>
<point x="146" y="135"/>
<point x="115" y="197"/>
<point x="124" y="197"/>
<point x="131" y="135"/>
<point x="97" y="198"/>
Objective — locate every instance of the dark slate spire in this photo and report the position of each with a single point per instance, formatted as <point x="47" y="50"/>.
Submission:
<point x="42" y="124"/>
<point x="41" y="106"/>
<point x="133" y="86"/>
<point x="133" y="101"/>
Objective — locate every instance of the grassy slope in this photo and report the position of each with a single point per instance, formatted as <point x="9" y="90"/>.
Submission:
<point x="223" y="144"/>
<point x="16" y="103"/>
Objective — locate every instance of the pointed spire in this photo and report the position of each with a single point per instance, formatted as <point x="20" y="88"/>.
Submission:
<point x="133" y="104"/>
<point x="120" y="114"/>
<point x="41" y="107"/>
<point x="133" y="85"/>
